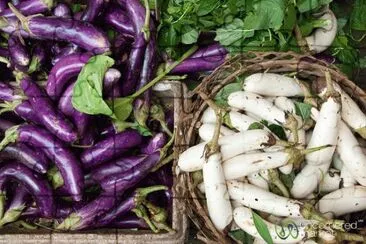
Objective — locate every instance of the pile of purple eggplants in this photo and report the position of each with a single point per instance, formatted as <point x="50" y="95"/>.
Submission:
<point x="64" y="169"/>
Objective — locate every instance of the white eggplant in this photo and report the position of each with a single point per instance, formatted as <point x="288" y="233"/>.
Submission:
<point x="206" y="131"/>
<point x="330" y="182"/>
<point x="257" y="180"/>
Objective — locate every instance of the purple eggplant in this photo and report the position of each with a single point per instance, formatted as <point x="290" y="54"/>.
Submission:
<point x="38" y="58"/>
<point x="9" y="93"/>
<point x="80" y="33"/>
<point x="15" y="2"/>
<point x="110" y="148"/>
<point x="205" y="59"/>
<point x="117" y="182"/>
<point x="22" y="153"/>
<point x="55" y="150"/>
<point x="116" y="166"/>
<point x="136" y="13"/>
<point x="92" y="10"/>
<point x="157" y="142"/>
<point x="5" y="124"/>
<point x="35" y="185"/>
<point x="111" y="85"/>
<point x="66" y="51"/>
<point x="26" y="112"/>
<point x="50" y="117"/>
<point x="65" y="69"/>
<point x="81" y="120"/>
<point x="61" y="211"/>
<point x="128" y="222"/>
<point x="4" y="52"/>
<point x="133" y="201"/>
<point x="118" y="19"/>
<point x="17" y="205"/>
<point x="18" y="51"/>
<point x="3" y="5"/>
<point x="29" y="7"/>
<point x="62" y="10"/>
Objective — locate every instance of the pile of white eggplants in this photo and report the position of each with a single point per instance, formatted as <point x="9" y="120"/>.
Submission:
<point x="239" y="162"/>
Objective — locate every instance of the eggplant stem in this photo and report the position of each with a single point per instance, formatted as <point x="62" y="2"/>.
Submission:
<point x="11" y="215"/>
<point x="143" y="192"/>
<point x="26" y="225"/>
<point x="163" y="162"/>
<point x="2" y="204"/>
<point x="23" y="19"/>
<point x="146" y="27"/>
<point x="275" y="180"/>
<point x="11" y="136"/>
<point x="331" y="92"/>
<point x="5" y="61"/>
<point x="344" y="236"/>
<point x="141" y="212"/>
<point x="314" y="149"/>
<point x="309" y="98"/>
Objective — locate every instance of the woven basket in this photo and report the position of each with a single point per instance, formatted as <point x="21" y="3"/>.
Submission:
<point x="245" y="64"/>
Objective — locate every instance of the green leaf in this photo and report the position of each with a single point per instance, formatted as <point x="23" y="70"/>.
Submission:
<point x="233" y="32"/>
<point x="343" y="51"/>
<point x="168" y="36"/>
<point x="307" y="5"/>
<point x="76" y="7"/>
<point x="255" y="126"/>
<point x="262" y="228"/>
<point x="278" y="131"/>
<point x="190" y="35"/>
<point x="87" y="94"/>
<point x="223" y="94"/>
<point x="290" y="18"/>
<point x="303" y="110"/>
<point x="358" y="15"/>
<point x="207" y="6"/>
<point x="122" y="107"/>
<point x="241" y="236"/>
<point x="288" y="179"/>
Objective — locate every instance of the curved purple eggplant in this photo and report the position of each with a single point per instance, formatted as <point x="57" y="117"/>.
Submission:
<point x="65" y="69"/>
<point x="81" y="120"/>
<point x="9" y="93"/>
<point x="5" y="124"/>
<point x="118" y="19"/>
<point x="26" y="112"/>
<point x="211" y="50"/>
<point x="17" y="50"/>
<point x="55" y="150"/>
<point x="50" y="117"/>
<point x="116" y="167"/>
<point x="62" y="10"/>
<point x="29" y="7"/>
<point x="9" y="25"/>
<point x="66" y="51"/>
<point x="80" y="33"/>
<point x="17" y="205"/>
<point x="35" y="185"/>
<point x="92" y="10"/>
<point x="131" y="202"/>
<point x="22" y="153"/>
<point x="61" y="211"/>
<point x="128" y="222"/>
<point x="111" y="85"/>
<point x="157" y="142"/>
<point x="110" y="148"/>
<point x="118" y="182"/>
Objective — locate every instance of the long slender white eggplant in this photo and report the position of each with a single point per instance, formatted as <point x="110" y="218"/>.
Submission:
<point x="217" y="197"/>
<point x="257" y="180"/>
<point x="243" y="217"/>
<point x="206" y="131"/>
<point x="271" y="84"/>
<point x="347" y="178"/>
<point x="330" y="182"/>
<point x="259" y="199"/>
<point x="351" y="154"/>
<point x="337" y="161"/>
<point x="323" y="37"/>
<point x="287" y="105"/>
<point x="192" y="159"/>
<point x="343" y="201"/>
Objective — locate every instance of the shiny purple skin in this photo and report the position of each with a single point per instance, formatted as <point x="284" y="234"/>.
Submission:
<point x="80" y="33"/>
<point x="68" y="50"/>
<point x="15" y="2"/>
<point x="121" y="209"/>
<point x="50" y="117"/>
<point x="110" y="148"/>
<point x="26" y="112"/>
<point x="60" y="212"/>
<point x="39" y="52"/>
<point x="20" y="198"/>
<point x="136" y="13"/>
<point x="33" y="159"/>
<point x="209" y="51"/>
<point x="116" y="166"/>
<point x="5" y="124"/>
<point x="117" y="183"/>
<point x="9" y="25"/>
<point x="65" y="69"/>
<point x="155" y="143"/>
<point x="4" y="52"/>
<point x="111" y="83"/>
<point x="128" y="222"/>
<point x="8" y="93"/>
<point x="17" y="51"/>
<point x="57" y="151"/>
<point x="36" y="186"/>
<point x="118" y="19"/>
<point x="81" y="120"/>
<point x="3" y="5"/>
<point x="92" y="10"/>
<point x="29" y="7"/>
<point x="62" y="10"/>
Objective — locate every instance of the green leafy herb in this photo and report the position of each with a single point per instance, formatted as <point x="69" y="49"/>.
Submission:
<point x="241" y="236"/>
<point x="303" y="110"/>
<point x="262" y="228"/>
<point x="358" y="16"/>
<point x="255" y="126"/>
<point x="276" y="129"/>
<point x="307" y="5"/>
<point x="223" y="94"/>
<point x="88" y="90"/>
<point x="233" y="32"/>
<point x="190" y="35"/>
